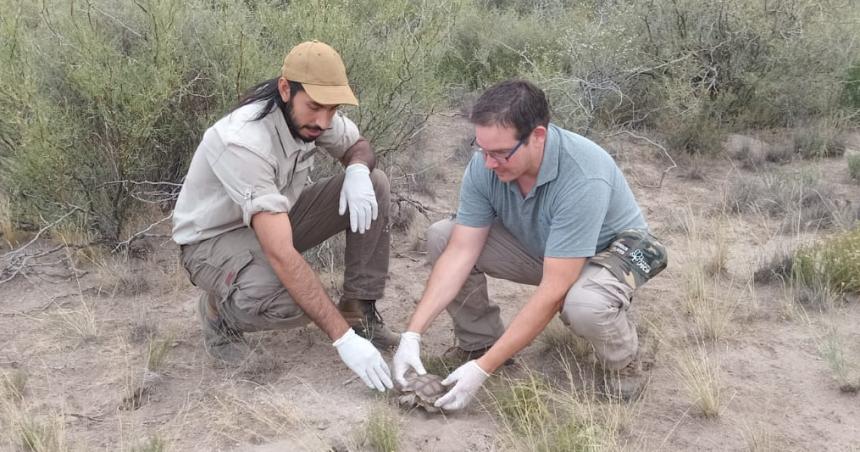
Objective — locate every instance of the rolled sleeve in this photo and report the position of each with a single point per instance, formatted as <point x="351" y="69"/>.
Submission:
<point x="249" y="179"/>
<point x="342" y="134"/>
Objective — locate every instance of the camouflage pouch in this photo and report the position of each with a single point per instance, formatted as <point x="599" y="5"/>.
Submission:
<point x="634" y="257"/>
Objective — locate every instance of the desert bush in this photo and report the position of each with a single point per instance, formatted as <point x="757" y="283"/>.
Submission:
<point x="851" y="86"/>
<point x="834" y="262"/>
<point x="802" y="202"/>
<point x="854" y="167"/>
<point x="99" y="95"/>
<point x="777" y="268"/>
<point x="817" y="141"/>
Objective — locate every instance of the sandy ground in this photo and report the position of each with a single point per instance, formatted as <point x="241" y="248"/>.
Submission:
<point x="82" y="342"/>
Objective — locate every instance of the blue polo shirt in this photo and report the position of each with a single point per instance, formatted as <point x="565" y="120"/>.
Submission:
<point x="578" y="204"/>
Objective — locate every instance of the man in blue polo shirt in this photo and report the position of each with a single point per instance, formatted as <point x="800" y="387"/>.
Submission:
<point x="543" y="206"/>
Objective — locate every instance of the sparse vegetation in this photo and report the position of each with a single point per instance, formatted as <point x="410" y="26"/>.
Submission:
<point x="834" y="262"/>
<point x="37" y="433"/>
<point x="540" y="417"/>
<point x="777" y="268"/>
<point x="803" y="202"/>
<point x="840" y="353"/>
<point x="700" y="373"/>
<point x="157" y="351"/>
<point x="97" y="97"/>
<point x="80" y="322"/>
<point x="151" y="444"/>
<point x="854" y="167"/>
<point x="559" y="338"/>
<point x="14" y="384"/>
<point x="382" y="431"/>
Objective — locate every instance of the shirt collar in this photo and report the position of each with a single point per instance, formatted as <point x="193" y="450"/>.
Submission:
<point x="549" y="164"/>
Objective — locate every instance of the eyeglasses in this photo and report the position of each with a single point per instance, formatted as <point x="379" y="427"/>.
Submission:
<point x="500" y="157"/>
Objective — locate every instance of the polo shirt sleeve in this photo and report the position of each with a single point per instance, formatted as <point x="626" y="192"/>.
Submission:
<point x="339" y="137"/>
<point x="475" y="209"/>
<point x="249" y="179"/>
<point x="577" y="217"/>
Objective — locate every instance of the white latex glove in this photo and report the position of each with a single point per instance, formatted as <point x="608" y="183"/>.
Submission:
<point x="357" y="192"/>
<point x="469" y="377"/>
<point x="364" y="359"/>
<point x="408" y="355"/>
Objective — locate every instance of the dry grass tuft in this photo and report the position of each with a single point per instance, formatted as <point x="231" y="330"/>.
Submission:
<point x="758" y="439"/>
<point x="29" y="432"/>
<point x="776" y="269"/>
<point x="80" y="322"/>
<point x="854" y="167"/>
<point x="802" y="202"/>
<point x="836" y="349"/>
<point x="8" y="233"/>
<point x="157" y="352"/>
<point x="382" y="431"/>
<point x="438" y="365"/>
<point x="716" y="262"/>
<point x="262" y="415"/>
<point x="701" y="375"/>
<point x="709" y="303"/>
<point x="538" y="416"/>
<point x="13" y="385"/>
<point x="151" y="444"/>
<point x="558" y="338"/>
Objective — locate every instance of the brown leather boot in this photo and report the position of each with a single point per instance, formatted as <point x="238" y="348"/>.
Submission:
<point x="363" y="317"/>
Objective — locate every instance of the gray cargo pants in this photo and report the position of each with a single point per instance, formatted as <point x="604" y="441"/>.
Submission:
<point x="594" y="308"/>
<point x="233" y="268"/>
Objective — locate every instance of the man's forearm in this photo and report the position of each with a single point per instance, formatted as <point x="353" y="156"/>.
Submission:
<point x="360" y="152"/>
<point x="449" y="273"/>
<point x="307" y="291"/>
<point x="525" y="327"/>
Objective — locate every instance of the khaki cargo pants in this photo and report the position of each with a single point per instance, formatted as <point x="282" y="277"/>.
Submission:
<point x="233" y="268"/>
<point x="595" y="307"/>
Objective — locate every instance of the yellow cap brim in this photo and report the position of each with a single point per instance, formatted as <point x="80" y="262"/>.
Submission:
<point x="330" y="95"/>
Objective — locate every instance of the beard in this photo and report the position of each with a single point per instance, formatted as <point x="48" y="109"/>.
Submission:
<point x="295" y="128"/>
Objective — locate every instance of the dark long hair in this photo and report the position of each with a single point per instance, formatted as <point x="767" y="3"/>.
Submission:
<point x="266" y="91"/>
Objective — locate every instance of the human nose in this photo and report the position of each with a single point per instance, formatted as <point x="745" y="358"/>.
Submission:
<point x="323" y="119"/>
<point x="490" y="162"/>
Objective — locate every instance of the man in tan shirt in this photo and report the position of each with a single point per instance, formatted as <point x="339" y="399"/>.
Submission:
<point x="247" y="211"/>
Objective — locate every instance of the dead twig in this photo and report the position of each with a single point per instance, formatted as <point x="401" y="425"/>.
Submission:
<point x="657" y="145"/>
<point x="141" y="234"/>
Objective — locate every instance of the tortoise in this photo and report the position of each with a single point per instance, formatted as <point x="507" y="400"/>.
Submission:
<point x="421" y="391"/>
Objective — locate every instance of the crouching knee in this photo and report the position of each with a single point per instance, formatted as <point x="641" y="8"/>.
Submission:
<point x="437" y="237"/>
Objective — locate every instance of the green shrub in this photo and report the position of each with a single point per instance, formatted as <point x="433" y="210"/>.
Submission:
<point x="99" y="94"/>
<point x="851" y="87"/>
<point x="834" y="262"/>
<point x="854" y="167"/>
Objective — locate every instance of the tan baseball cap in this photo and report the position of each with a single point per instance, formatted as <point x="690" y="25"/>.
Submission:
<point x="320" y="70"/>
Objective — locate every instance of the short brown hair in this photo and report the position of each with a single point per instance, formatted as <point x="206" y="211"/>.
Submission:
<point x="517" y="103"/>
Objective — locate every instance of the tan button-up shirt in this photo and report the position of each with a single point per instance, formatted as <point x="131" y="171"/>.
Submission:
<point x="242" y="167"/>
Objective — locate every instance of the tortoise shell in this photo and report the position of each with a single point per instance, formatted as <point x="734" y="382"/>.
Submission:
<point x="422" y="391"/>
